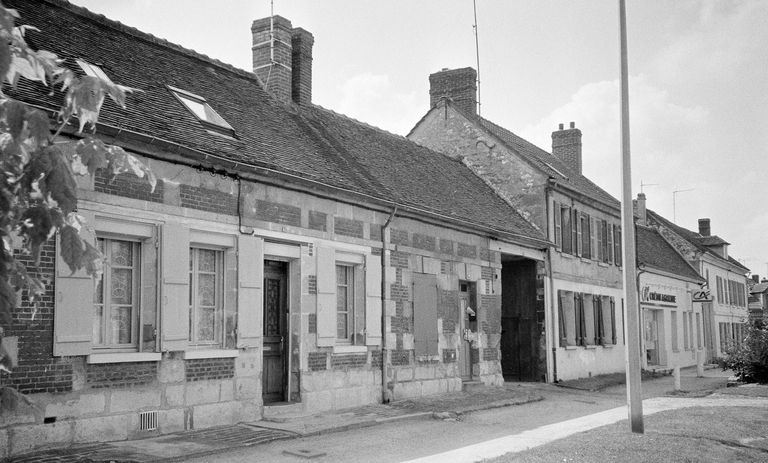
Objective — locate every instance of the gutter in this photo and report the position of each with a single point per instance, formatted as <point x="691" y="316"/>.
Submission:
<point x="386" y="396"/>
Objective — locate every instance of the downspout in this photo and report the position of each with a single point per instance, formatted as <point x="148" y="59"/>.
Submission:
<point x="553" y="327"/>
<point x="386" y="395"/>
<point x="640" y="270"/>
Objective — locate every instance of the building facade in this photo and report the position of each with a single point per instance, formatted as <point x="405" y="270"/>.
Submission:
<point x="581" y="332"/>
<point x="288" y="260"/>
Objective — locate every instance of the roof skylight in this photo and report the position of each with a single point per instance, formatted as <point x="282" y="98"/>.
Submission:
<point x="197" y="105"/>
<point x="93" y="70"/>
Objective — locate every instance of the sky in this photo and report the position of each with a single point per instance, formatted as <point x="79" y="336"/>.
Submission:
<point x="698" y="82"/>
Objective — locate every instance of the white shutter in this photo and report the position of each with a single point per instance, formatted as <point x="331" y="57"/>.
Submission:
<point x="74" y="310"/>
<point x="250" y="296"/>
<point x="326" y="296"/>
<point x="175" y="287"/>
<point x="372" y="300"/>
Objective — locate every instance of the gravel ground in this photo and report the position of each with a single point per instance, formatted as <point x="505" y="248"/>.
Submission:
<point x="701" y="434"/>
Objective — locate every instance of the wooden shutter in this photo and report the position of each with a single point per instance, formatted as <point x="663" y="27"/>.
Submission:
<point x="593" y="232"/>
<point x="326" y="296"/>
<point x="579" y="317"/>
<point x="250" y="291"/>
<point x="578" y="248"/>
<point x="610" y="243"/>
<point x="425" y="314"/>
<point x="561" y="318"/>
<point x="558" y="226"/>
<point x="618" y="244"/>
<point x="175" y="287"/>
<point x="372" y="300"/>
<point x="73" y="314"/>
<point x="613" y="321"/>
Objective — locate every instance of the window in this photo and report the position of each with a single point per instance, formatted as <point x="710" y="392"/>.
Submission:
<point x="568" y="231"/>
<point x="207" y="116"/>
<point x="586" y="236"/>
<point x="698" y="330"/>
<point x="93" y="70"/>
<point x="617" y="245"/>
<point x="116" y="295"/>
<point x="586" y="319"/>
<point x="673" y="327"/>
<point x="603" y="230"/>
<point x="350" y="315"/>
<point x="205" y="296"/>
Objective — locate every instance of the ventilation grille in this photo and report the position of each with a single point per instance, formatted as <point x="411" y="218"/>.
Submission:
<point x="148" y="421"/>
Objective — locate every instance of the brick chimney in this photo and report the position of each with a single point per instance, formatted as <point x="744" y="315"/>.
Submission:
<point x="458" y="85"/>
<point x="640" y="212"/>
<point x="704" y="229"/>
<point x="282" y="59"/>
<point x="566" y="146"/>
<point x="755" y="278"/>
<point x="301" y="89"/>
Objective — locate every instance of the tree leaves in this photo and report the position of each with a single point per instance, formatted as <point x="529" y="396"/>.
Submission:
<point x="78" y="253"/>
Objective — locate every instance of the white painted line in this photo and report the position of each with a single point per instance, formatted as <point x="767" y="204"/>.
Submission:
<point x="545" y="434"/>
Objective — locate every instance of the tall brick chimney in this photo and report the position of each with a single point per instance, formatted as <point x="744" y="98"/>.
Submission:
<point x="282" y="59"/>
<point x="642" y="215"/>
<point x="704" y="229"/>
<point x="566" y="146"/>
<point x="301" y="88"/>
<point x="458" y="85"/>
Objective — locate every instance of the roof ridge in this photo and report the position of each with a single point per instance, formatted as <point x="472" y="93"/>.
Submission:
<point x="147" y="37"/>
<point x="356" y="121"/>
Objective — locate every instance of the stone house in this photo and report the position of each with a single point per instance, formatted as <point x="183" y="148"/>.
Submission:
<point x="670" y="304"/>
<point x="758" y="299"/>
<point x="579" y="333"/>
<point x="290" y="259"/>
<point x="725" y="316"/>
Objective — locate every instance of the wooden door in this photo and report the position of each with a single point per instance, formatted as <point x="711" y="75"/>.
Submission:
<point x="465" y="353"/>
<point x="275" y="330"/>
<point x="520" y="331"/>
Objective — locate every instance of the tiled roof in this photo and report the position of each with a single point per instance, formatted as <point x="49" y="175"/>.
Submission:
<point x="654" y="251"/>
<point x="713" y="240"/>
<point x="758" y="288"/>
<point x="692" y="237"/>
<point x="307" y="142"/>
<point x="549" y="164"/>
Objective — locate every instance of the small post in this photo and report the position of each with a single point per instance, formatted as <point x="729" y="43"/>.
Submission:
<point x="699" y="363"/>
<point x="676" y="374"/>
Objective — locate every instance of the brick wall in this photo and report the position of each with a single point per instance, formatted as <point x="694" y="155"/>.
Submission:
<point x="399" y="237"/>
<point x="400" y="357"/>
<point x="398" y="259"/>
<point x="120" y="374"/>
<point x="459" y="85"/>
<point x="376" y="359"/>
<point x="312" y="323"/>
<point x="466" y="250"/>
<point x="446" y="246"/>
<point x="375" y="232"/>
<point x="348" y="227"/>
<point x="317" y="361"/>
<point x="449" y="355"/>
<point x="128" y="185"/>
<point x="318" y="221"/>
<point x="215" y="368"/>
<point x="346" y="361"/>
<point x="37" y="370"/>
<point x="276" y="212"/>
<point x="424" y="242"/>
<point x="205" y="199"/>
<point x="312" y="284"/>
<point x="490" y="354"/>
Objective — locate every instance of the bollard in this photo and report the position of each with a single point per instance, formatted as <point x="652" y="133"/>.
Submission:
<point x="699" y="364"/>
<point x="676" y="374"/>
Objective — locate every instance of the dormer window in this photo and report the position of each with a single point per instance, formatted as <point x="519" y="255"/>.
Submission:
<point x="207" y="116"/>
<point x="93" y="70"/>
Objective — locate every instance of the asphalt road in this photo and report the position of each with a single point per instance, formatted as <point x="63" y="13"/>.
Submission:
<point x="404" y="440"/>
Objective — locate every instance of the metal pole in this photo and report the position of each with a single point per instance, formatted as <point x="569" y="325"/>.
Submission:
<point x="631" y="314"/>
<point x="674" y="203"/>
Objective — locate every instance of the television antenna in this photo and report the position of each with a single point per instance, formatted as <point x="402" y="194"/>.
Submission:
<point x="674" y="202"/>
<point x="477" y="55"/>
<point x="646" y="184"/>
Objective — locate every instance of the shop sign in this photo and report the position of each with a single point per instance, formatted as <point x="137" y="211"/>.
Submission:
<point x="646" y="295"/>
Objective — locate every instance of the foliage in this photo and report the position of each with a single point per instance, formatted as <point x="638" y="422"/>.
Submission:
<point x="749" y="360"/>
<point x="38" y="191"/>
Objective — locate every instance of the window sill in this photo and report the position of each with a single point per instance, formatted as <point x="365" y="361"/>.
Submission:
<point x="591" y="346"/>
<point x="603" y="264"/>
<point x="349" y="349"/>
<point x="676" y="351"/>
<point x="609" y="346"/>
<point x="124" y="357"/>
<point x="586" y="260"/>
<point x="210" y="353"/>
<point x="566" y="255"/>
<point x="571" y="347"/>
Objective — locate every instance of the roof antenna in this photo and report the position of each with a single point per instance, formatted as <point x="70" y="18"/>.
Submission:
<point x="477" y="55"/>
<point x="271" y="41"/>
<point x="646" y="184"/>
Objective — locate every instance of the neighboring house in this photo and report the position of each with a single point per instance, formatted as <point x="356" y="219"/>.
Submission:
<point x="290" y="258"/>
<point x="758" y="299"/>
<point x="667" y="283"/>
<point x="581" y="333"/>
<point x="725" y="316"/>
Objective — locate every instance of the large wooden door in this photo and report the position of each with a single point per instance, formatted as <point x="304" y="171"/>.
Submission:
<point x="275" y="330"/>
<point x="519" y="325"/>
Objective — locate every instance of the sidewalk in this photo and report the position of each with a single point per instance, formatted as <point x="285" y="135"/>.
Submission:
<point x="184" y="445"/>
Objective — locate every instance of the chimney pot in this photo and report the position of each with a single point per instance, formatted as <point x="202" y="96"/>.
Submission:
<point x="566" y="146"/>
<point x="457" y="85"/>
<point x="642" y="215"/>
<point x="704" y="227"/>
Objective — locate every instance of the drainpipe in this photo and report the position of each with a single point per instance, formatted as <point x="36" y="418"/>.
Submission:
<point x="385" y="394"/>
<point x="553" y="327"/>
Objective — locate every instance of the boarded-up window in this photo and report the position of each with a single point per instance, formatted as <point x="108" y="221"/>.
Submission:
<point x="425" y="314"/>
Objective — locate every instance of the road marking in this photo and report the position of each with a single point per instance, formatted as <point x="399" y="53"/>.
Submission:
<point x="545" y="434"/>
